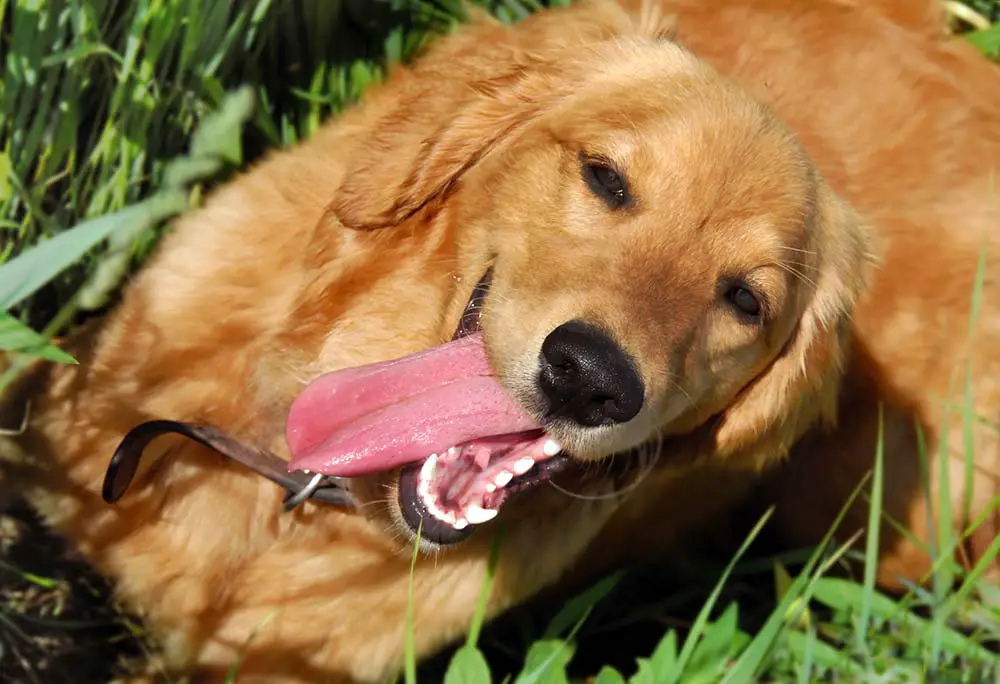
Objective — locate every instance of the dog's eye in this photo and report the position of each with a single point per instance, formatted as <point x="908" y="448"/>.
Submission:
<point x="744" y="301"/>
<point x="606" y="183"/>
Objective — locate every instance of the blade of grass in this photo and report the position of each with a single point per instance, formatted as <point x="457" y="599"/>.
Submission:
<point x="806" y="664"/>
<point x="944" y="574"/>
<point x="479" y="616"/>
<point x="409" y="647"/>
<point x="846" y="596"/>
<point x="872" y="542"/>
<point x="43" y="582"/>
<point x="24" y="275"/>
<point x="986" y="40"/>
<point x="234" y="667"/>
<point x="827" y="656"/>
<point x="968" y="404"/>
<point x="746" y="667"/>
<point x="18" y="338"/>
<point x="578" y="609"/>
<point x="698" y="627"/>
<point x="753" y="656"/>
<point x="985" y="563"/>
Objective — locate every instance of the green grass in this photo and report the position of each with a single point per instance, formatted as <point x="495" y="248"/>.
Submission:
<point x="148" y="103"/>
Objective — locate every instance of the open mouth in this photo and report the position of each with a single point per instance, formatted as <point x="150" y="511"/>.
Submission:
<point x="463" y="444"/>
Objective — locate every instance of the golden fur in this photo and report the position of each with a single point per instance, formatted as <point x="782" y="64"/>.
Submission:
<point x="860" y="223"/>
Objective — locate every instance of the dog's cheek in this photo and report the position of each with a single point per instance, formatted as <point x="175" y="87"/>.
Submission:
<point x="377" y="497"/>
<point x="509" y="347"/>
<point x="518" y="316"/>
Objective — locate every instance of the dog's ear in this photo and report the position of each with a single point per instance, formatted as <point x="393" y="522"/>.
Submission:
<point x="470" y="94"/>
<point x="800" y="388"/>
<point x="420" y="149"/>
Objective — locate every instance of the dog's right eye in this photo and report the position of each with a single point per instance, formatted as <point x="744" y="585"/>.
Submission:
<point x="606" y="182"/>
<point x="741" y="298"/>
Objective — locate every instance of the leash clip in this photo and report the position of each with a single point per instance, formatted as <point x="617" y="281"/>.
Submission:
<point x="295" y="499"/>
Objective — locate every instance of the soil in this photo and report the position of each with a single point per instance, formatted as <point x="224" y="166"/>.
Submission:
<point x="57" y="621"/>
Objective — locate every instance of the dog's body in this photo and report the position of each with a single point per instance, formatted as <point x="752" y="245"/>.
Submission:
<point x="268" y="287"/>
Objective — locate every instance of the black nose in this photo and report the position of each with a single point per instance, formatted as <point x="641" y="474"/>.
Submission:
<point x="587" y="377"/>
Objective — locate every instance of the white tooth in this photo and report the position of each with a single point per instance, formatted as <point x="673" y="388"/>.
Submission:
<point x="460" y="524"/>
<point x="307" y="471"/>
<point x="427" y="469"/>
<point x="433" y="509"/>
<point x="551" y="447"/>
<point x="444" y="517"/>
<point x="477" y="515"/>
<point x="503" y="479"/>
<point x="424" y="479"/>
<point x="490" y="487"/>
<point x="524" y="465"/>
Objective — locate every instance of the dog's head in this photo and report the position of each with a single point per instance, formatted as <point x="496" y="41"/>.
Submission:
<point x="665" y="263"/>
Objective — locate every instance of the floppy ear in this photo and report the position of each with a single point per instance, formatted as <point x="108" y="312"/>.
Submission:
<point x="800" y="388"/>
<point x="468" y="95"/>
<point x="421" y="149"/>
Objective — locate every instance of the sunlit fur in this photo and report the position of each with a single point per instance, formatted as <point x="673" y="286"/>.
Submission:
<point x="853" y="194"/>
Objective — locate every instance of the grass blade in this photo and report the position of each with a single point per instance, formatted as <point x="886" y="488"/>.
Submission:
<point x="479" y="616"/>
<point x="698" y="627"/>
<point x="409" y="645"/>
<point x="872" y="541"/>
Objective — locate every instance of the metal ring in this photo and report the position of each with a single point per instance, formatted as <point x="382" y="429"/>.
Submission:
<point x="295" y="499"/>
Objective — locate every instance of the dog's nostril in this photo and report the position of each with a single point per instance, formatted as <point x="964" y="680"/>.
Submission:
<point x="587" y="377"/>
<point x="564" y="371"/>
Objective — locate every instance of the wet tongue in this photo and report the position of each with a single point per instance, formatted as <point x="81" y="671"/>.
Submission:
<point x="377" y="417"/>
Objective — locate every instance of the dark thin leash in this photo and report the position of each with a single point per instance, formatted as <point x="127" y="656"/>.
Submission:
<point x="300" y="486"/>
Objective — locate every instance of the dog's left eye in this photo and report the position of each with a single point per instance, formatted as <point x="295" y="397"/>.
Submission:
<point x="606" y="183"/>
<point x="744" y="301"/>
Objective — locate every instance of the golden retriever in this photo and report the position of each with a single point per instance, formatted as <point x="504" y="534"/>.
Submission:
<point x="536" y="248"/>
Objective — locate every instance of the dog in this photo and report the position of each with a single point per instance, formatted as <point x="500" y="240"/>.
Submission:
<point x="583" y="284"/>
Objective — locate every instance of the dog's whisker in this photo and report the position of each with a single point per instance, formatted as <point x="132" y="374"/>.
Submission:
<point x="802" y="264"/>
<point x="797" y="249"/>
<point x="617" y="493"/>
<point x="375" y="502"/>
<point x="797" y="274"/>
<point x="647" y="455"/>
<point x="677" y="386"/>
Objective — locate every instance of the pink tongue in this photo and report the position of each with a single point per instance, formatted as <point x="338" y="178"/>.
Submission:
<point x="377" y="417"/>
